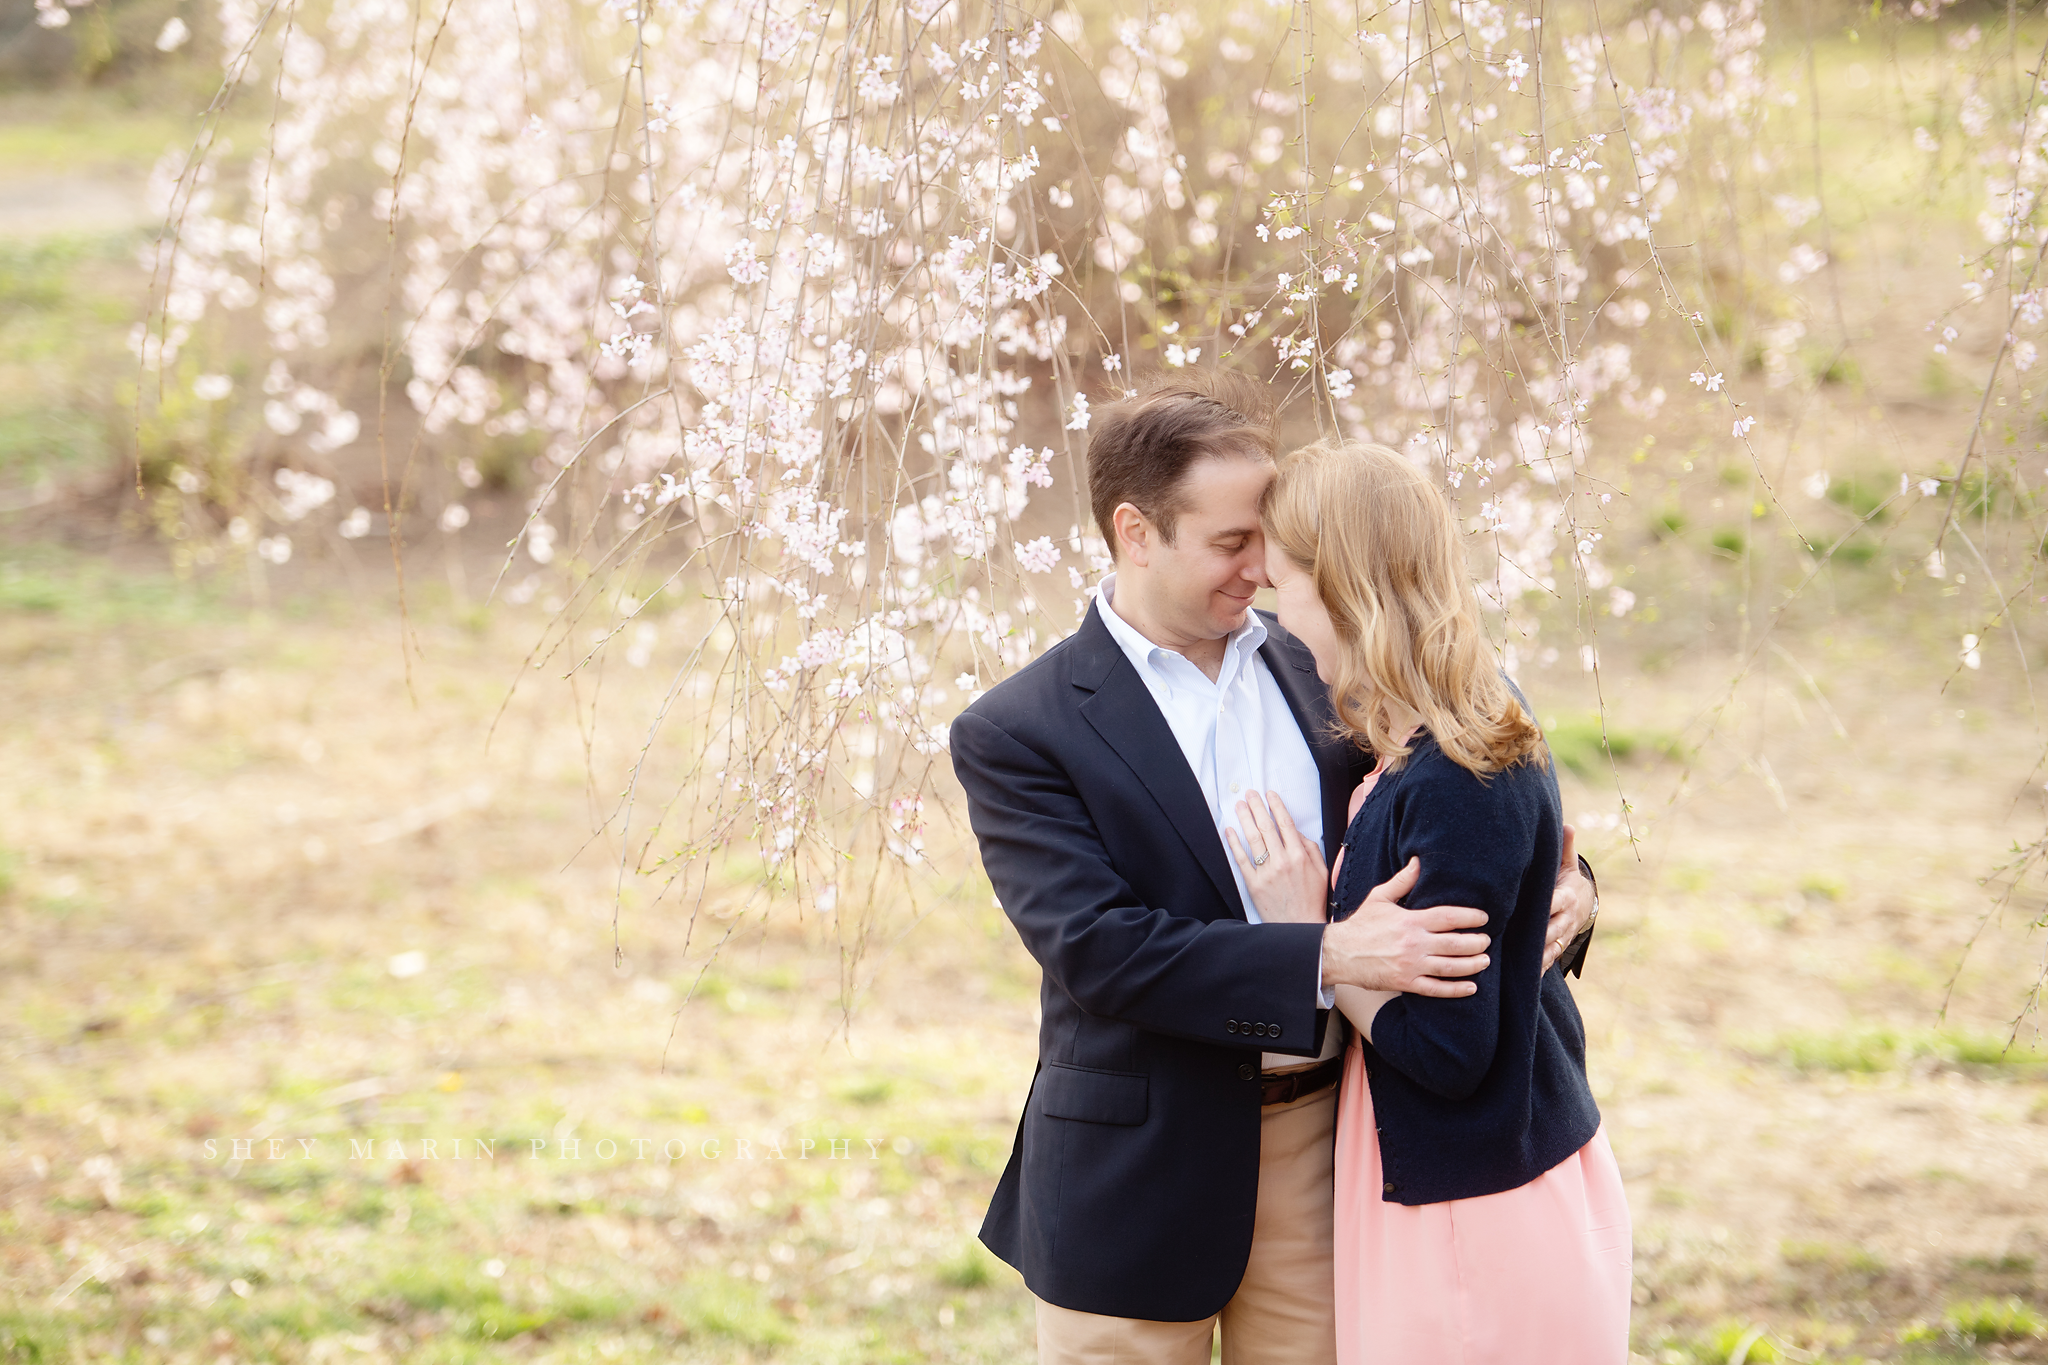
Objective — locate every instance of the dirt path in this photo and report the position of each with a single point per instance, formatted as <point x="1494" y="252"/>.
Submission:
<point x="39" y="206"/>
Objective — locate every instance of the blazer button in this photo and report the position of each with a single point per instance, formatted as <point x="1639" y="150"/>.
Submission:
<point x="1258" y="1030"/>
<point x="1272" y="1030"/>
<point x="1230" y="1026"/>
<point x="1246" y="1071"/>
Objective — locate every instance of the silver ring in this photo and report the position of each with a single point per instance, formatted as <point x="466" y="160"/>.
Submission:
<point x="1260" y="859"/>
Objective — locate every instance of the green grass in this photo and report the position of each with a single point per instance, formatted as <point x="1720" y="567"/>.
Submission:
<point x="1822" y="1275"/>
<point x="53" y="439"/>
<point x="1729" y="1341"/>
<point x="2008" y="1264"/>
<point x="733" y="1310"/>
<point x="1581" y="743"/>
<point x="98" y="131"/>
<point x="1872" y="1050"/>
<point x="1864" y="495"/>
<point x="1835" y="1259"/>
<point x="28" y="1338"/>
<point x="1824" y="886"/>
<point x="971" y="1269"/>
<point x="36" y="275"/>
<point x="1865" y="1051"/>
<point x="463" y="1298"/>
<point x="1980" y="496"/>
<point x="1830" y="365"/>
<point x="292" y="1316"/>
<point x="94" y="593"/>
<point x="873" y="1091"/>
<point x="65" y="306"/>
<point x="436" y="1288"/>
<point x="1978" y="1050"/>
<point x="1975" y="1322"/>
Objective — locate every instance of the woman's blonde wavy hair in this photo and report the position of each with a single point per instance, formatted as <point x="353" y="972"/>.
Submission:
<point x="1377" y="540"/>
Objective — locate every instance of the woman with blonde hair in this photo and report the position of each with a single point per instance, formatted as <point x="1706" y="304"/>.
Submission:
<point x="1480" y="1218"/>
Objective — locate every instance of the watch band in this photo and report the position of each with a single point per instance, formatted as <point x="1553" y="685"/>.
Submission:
<point x="1573" y="958"/>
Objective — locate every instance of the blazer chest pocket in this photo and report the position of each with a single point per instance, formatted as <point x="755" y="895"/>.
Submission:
<point x="1072" y="1092"/>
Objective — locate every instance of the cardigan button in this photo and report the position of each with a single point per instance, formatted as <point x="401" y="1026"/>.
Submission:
<point x="1389" y="1187"/>
<point x="1246" y="1071"/>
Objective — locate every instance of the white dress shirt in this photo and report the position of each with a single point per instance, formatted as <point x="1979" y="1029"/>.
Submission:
<point x="1239" y="736"/>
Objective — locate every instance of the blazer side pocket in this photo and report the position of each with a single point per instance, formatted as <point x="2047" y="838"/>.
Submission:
<point x="1073" y="1092"/>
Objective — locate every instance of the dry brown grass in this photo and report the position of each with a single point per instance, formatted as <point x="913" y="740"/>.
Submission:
<point x="222" y="832"/>
<point x="1809" y="1144"/>
<point x="223" y="828"/>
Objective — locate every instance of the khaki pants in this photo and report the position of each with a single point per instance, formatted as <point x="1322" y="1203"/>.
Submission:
<point x="1284" y="1311"/>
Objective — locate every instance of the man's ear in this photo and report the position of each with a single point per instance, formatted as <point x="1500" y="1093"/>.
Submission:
<point x="1135" y="534"/>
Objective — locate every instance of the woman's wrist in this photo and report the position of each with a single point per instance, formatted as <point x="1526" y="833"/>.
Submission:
<point x="1362" y="1007"/>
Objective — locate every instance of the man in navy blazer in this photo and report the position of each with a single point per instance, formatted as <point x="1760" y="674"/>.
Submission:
<point x="1173" y="1165"/>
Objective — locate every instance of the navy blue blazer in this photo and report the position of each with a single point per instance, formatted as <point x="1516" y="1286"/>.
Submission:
<point x="1131" y="1187"/>
<point x="1485" y="1093"/>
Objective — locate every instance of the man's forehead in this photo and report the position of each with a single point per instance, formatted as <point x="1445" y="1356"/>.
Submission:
<point x="1226" y="490"/>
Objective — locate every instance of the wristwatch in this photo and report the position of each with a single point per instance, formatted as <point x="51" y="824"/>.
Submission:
<point x="1573" y="958"/>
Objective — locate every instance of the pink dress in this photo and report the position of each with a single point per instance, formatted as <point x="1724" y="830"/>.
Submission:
<point x="1538" y="1275"/>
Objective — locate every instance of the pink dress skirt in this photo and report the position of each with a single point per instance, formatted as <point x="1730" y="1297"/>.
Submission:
<point x="1539" y="1275"/>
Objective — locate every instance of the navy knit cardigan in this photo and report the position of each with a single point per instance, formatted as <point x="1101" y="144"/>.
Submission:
<point x="1482" y="1094"/>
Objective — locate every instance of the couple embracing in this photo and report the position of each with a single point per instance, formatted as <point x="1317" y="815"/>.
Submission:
<point x="1304" y="899"/>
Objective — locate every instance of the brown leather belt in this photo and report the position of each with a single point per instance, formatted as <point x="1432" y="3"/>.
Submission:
<point x="1295" y="1084"/>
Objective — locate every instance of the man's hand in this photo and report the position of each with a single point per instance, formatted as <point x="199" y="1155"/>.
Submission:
<point x="1571" y="905"/>
<point x="1385" y="947"/>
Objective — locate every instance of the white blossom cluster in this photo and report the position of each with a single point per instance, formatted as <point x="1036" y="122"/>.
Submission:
<point x="808" y="306"/>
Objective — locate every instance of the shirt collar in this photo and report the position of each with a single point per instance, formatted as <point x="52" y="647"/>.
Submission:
<point x="1246" y="639"/>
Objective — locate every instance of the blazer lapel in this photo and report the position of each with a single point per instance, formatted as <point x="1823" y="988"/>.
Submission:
<point x="1123" y="713"/>
<point x="1341" y="765"/>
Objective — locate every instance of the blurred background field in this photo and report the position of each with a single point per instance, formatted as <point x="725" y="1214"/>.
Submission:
<point x="270" y="876"/>
<point x="255" y="891"/>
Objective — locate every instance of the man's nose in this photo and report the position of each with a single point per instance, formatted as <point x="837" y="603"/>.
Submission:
<point x="1255" y="571"/>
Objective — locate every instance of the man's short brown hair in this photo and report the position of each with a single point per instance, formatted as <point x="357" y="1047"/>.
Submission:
<point x="1141" y="448"/>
